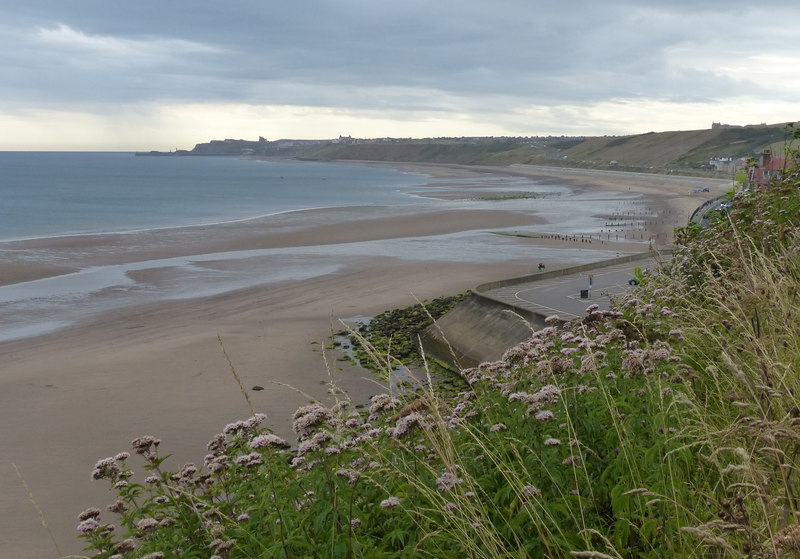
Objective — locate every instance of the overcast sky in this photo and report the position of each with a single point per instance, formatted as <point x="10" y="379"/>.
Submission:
<point x="144" y="74"/>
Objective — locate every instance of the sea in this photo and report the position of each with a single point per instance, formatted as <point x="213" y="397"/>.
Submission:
<point x="47" y="195"/>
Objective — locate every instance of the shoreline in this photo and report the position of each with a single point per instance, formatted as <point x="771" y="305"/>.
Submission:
<point x="53" y="238"/>
<point x="330" y="226"/>
<point x="82" y="393"/>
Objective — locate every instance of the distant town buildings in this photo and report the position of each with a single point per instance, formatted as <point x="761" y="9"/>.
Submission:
<point x="715" y="125"/>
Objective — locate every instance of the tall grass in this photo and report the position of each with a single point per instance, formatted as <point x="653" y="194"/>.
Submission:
<point x="668" y="426"/>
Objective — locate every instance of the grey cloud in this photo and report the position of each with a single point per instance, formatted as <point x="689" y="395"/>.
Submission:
<point x="367" y="54"/>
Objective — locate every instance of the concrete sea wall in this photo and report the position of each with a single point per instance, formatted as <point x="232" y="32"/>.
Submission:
<point x="481" y="328"/>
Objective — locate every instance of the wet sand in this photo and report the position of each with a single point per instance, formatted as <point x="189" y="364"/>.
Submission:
<point x="82" y="393"/>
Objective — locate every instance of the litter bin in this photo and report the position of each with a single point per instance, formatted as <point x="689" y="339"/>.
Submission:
<point x="584" y="293"/>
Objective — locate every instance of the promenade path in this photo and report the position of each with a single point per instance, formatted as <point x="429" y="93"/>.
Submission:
<point x="561" y="295"/>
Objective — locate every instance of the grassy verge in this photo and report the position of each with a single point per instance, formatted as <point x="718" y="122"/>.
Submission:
<point x="668" y="426"/>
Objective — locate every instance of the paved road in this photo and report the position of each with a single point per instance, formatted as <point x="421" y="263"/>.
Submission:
<point x="714" y="204"/>
<point x="561" y="295"/>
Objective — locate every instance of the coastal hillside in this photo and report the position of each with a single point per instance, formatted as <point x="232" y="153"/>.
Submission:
<point x="687" y="151"/>
<point x="678" y="151"/>
<point x="667" y="426"/>
<point x="691" y="149"/>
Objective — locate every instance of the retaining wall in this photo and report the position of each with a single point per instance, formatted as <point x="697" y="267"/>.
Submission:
<point x="477" y="330"/>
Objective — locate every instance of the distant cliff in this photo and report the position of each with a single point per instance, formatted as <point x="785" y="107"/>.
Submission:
<point x="231" y="147"/>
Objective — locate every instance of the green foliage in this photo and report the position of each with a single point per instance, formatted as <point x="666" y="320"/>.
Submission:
<point x="667" y="426"/>
<point x="396" y="332"/>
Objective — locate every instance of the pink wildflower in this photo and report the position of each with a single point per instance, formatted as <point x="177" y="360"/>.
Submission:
<point x="91" y="512"/>
<point x="309" y="416"/>
<point x="88" y="526"/>
<point x="255" y="421"/>
<point x="142" y="445"/>
<point x="382" y="402"/>
<point x="351" y="475"/>
<point x="390" y="502"/>
<point x="252" y="459"/>
<point x="448" y="481"/>
<point x="117" y="507"/>
<point x="268" y="440"/>
<point x="233" y="427"/>
<point x="404" y="424"/>
<point x="106" y="468"/>
<point x="147" y="524"/>
<point x="314" y="443"/>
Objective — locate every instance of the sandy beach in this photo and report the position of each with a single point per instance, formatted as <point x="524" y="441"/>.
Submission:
<point x="70" y="397"/>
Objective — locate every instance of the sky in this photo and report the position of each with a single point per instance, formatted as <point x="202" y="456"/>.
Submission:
<point x="125" y="76"/>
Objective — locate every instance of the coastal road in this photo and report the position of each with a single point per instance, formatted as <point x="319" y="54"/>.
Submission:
<point x="562" y="295"/>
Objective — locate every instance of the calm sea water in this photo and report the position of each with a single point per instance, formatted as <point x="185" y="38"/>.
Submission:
<point x="54" y="193"/>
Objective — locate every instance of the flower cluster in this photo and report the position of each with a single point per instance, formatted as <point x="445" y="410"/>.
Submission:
<point x="308" y="417"/>
<point x="381" y="403"/>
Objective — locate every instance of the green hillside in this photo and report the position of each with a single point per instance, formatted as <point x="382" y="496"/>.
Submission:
<point x="685" y="151"/>
<point x="691" y="148"/>
<point x="496" y="152"/>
